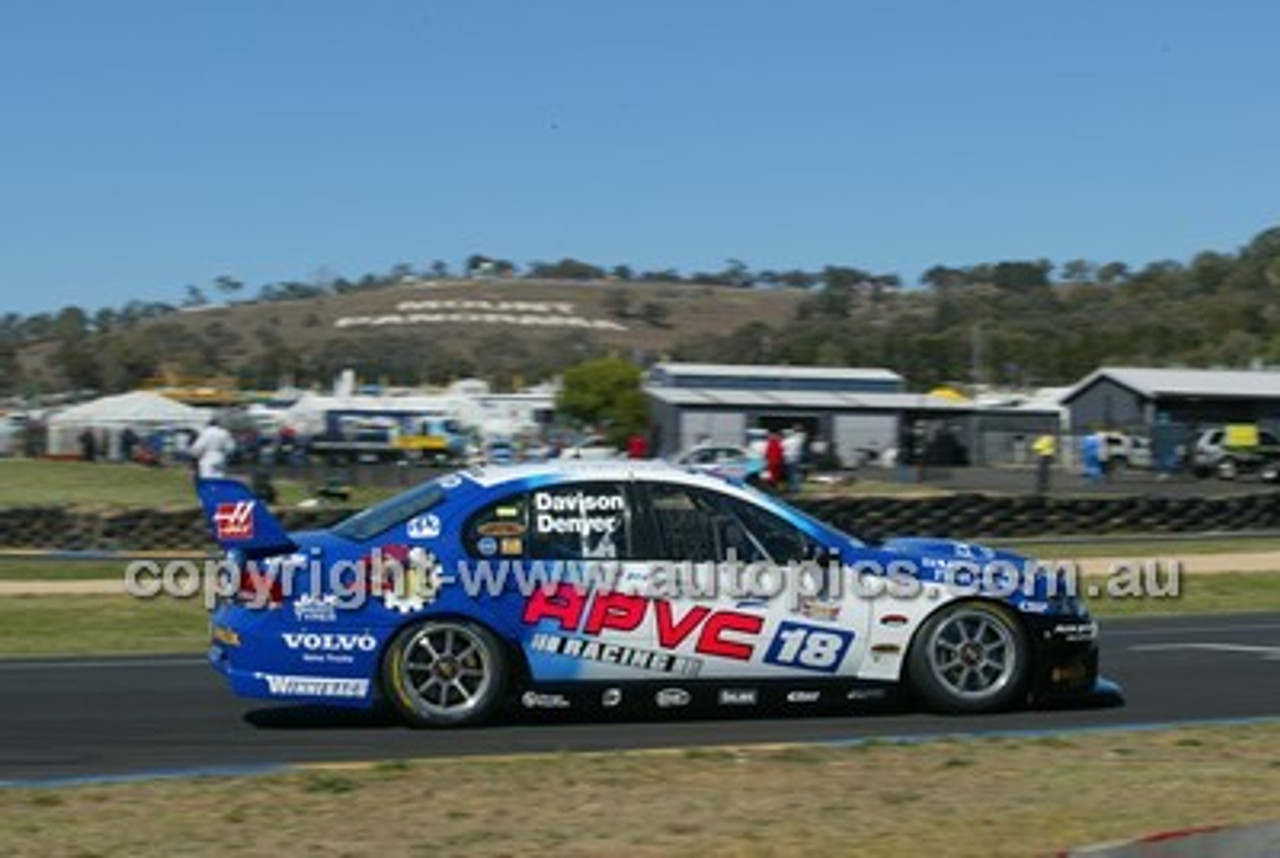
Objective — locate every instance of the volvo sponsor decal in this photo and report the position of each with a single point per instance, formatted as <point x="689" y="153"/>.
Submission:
<point x="314" y="686"/>
<point x="329" y="648"/>
<point x="801" y="695"/>
<point x="625" y="656"/>
<point x="537" y="700"/>
<point x="330" y="642"/>
<point x="671" y="698"/>
<point x="738" y="697"/>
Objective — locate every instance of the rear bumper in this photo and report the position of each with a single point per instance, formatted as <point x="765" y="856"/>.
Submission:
<point x="247" y="647"/>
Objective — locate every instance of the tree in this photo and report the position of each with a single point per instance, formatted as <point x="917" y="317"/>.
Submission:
<point x="1021" y="276"/>
<point x="605" y="392"/>
<point x="1078" y="271"/>
<point x="736" y="273"/>
<point x="841" y="277"/>
<point x="1113" y="272"/>
<point x="623" y="273"/>
<point x="797" y="279"/>
<point x="75" y="358"/>
<point x="565" y="269"/>
<point x="228" y="286"/>
<point x="195" y="297"/>
<point x="438" y="269"/>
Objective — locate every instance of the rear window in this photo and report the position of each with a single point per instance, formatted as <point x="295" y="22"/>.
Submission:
<point x="381" y="517"/>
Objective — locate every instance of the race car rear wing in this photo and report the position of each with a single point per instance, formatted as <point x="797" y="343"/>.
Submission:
<point x="240" y="520"/>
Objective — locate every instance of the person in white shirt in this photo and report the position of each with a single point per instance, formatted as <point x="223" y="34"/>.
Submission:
<point x="793" y="443"/>
<point x="211" y="448"/>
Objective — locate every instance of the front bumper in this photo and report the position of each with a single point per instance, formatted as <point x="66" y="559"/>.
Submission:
<point x="1065" y="658"/>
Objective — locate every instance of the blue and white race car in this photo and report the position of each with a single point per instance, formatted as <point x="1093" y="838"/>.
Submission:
<point x="612" y="585"/>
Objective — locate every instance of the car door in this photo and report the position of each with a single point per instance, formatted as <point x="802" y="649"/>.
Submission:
<point x="739" y="590"/>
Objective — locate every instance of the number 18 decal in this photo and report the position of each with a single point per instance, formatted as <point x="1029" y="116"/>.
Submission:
<point x="808" y="647"/>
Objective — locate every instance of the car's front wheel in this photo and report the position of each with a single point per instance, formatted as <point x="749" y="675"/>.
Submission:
<point x="445" y="673"/>
<point x="970" y="657"/>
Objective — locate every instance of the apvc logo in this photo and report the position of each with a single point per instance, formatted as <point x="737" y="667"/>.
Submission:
<point x="234" y="520"/>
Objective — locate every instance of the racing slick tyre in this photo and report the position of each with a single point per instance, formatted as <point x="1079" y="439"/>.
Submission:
<point x="445" y="673"/>
<point x="970" y="657"/>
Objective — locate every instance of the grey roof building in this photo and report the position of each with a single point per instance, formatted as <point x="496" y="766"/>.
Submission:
<point x="857" y="411"/>
<point x="1142" y="398"/>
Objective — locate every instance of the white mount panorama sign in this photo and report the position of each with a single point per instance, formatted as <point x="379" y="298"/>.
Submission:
<point x="533" y="314"/>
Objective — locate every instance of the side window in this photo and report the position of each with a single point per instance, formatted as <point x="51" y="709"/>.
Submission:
<point x="782" y="542"/>
<point x="699" y="526"/>
<point x="580" y="521"/>
<point x="684" y="525"/>
<point x="498" y="530"/>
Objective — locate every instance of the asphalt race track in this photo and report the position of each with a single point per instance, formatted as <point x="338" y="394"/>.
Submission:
<point x="91" y="717"/>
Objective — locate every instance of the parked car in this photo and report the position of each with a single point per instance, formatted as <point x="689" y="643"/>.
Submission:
<point x="1212" y="455"/>
<point x="726" y="460"/>
<point x="1123" y="451"/>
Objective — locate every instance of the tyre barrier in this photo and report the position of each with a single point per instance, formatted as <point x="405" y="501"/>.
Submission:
<point x="962" y="516"/>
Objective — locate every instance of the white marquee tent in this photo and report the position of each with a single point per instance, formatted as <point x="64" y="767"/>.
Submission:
<point x="108" y="417"/>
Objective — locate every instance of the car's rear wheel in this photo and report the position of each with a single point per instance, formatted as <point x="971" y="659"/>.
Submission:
<point x="445" y="673"/>
<point x="970" y="657"/>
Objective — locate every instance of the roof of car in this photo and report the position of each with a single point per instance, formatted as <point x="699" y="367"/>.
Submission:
<point x="576" y="469"/>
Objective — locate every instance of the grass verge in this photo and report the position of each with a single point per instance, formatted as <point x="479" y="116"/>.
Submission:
<point x="30" y="482"/>
<point x="985" y="797"/>
<point x="80" y="625"/>
<point x="23" y="569"/>
<point x="1139" y="547"/>
<point x="100" y="625"/>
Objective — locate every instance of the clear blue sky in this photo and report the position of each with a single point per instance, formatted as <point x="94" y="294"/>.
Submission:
<point x="148" y="144"/>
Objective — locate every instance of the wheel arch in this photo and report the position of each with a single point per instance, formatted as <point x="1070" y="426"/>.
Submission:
<point x="521" y="672"/>
<point x="977" y="598"/>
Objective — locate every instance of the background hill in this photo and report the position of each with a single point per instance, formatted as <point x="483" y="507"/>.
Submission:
<point x="1011" y="322"/>
<point x="510" y="331"/>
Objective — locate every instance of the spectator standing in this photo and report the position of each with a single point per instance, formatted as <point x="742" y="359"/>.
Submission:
<point x="637" y="446"/>
<point x="1045" y="447"/>
<point x="793" y="456"/>
<point x="775" y="461"/>
<point x="211" y="449"/>
<point x="88" y="445"/>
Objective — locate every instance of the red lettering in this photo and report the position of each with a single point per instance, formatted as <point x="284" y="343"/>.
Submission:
<point x="615" y="611"/>
<point x="671" y="634"/>
<point x="564" y="606"/>
<point x="710" y="641"/>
